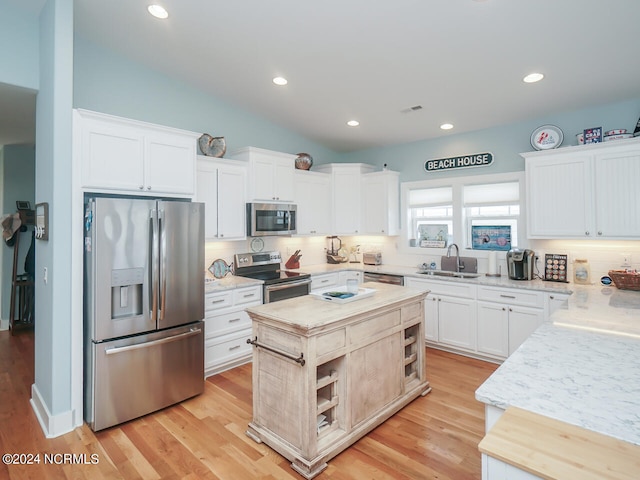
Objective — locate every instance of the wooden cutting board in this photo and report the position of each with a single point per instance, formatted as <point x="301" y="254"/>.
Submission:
<point x="556" y="450"/>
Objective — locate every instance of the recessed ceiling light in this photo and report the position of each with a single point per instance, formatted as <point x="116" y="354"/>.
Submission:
<point x="533" y="77"/>
<point x="446" y="126"/>
<point x="353" y="123"/>
<point x="280" y="81"/>
<point x="158" y="11"/>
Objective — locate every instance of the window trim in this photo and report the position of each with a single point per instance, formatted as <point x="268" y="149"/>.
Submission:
<point x="459" y="223"/>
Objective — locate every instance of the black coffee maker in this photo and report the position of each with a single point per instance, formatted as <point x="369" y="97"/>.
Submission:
<point x="520" y="264"/>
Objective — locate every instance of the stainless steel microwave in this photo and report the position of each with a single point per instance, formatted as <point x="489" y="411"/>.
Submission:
<point x="271" y="219"/>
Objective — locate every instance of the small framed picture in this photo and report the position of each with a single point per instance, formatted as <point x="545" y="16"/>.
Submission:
<point x="490" y="238"/>
<point x="593" y="135"/>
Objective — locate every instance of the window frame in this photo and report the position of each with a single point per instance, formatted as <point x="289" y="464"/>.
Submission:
<point x="460" y="223"/>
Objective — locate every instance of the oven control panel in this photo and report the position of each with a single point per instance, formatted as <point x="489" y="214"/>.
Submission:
<point x="253" y="259"/>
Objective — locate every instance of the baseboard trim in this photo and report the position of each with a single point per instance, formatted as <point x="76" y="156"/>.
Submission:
<point x="52" y="425"/>
<point x="4" y="324"/>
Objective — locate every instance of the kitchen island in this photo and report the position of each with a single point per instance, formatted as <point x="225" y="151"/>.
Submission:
<point x="327" y="373"/>
<point x="581" y="369"/>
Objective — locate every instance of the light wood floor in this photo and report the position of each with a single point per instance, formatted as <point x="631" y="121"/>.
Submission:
<point x="435" y="437"/>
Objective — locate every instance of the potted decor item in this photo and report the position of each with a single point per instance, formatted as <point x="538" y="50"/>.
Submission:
<point x="304" y="161"/>
<point x="212" y="146"/>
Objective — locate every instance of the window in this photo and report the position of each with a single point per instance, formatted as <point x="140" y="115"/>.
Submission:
<point x="431" y="216"/>
<point x="447" y="209"/>
<point x="492" y="204"/>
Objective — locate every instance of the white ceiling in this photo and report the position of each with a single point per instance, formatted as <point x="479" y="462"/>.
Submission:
<point x="461" y="60"/>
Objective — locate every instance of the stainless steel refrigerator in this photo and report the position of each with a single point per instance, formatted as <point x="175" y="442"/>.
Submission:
<point x="143" y="306"/>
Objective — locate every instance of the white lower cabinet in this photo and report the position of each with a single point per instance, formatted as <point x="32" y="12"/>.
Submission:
<point x="450" y="313"/>
<point x="506" y="318"/>
<point x="227" y="327"/>
<point x="483" y="321"/>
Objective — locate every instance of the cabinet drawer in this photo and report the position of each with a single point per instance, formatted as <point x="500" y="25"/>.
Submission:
<point x="452" y="289"/>
<point x="331" y="341"/>
<point x="230" y="322"/>
<point x="242" y="296"/>
<point x="512" y="296"/>
<point x="217" y="300"/>
<point x="322" y="281"/>
<point x="223" y="349"/>
<point x="413" y="312"/>
<point x="370" y="328"/>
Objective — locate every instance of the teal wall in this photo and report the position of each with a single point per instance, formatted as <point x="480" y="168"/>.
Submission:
<point x="53" y="362"/>
<point x="109" y="83"/>
<point x="18" y="183"/>
<point x="106" y="82"/>
<point x="504" y="142"/>
<point x="19" y="54"/>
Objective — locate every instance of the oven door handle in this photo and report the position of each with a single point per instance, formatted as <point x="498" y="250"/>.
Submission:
<point x="285" y="285"/>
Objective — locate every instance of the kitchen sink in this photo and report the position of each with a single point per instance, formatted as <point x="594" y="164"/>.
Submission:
<point x="446" y="273"/>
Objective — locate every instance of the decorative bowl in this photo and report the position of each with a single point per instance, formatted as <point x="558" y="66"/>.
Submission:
<point x="212" y="146"/>
<point x="304" y="161"/>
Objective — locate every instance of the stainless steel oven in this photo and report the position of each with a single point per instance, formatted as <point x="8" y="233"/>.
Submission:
<point x="278" y="284"/>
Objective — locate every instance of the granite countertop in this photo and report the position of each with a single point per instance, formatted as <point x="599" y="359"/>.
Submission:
<point x="212" y="284"/>
<point x="582" y="368"/>
<point x="503" y="281"/>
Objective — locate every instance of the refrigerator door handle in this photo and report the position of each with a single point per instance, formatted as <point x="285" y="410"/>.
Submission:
<point x="173" y="338"/>
<point x="163" y="263"/>
<point x="153" y="265"/>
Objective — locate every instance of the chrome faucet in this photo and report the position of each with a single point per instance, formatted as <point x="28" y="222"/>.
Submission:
<point x="459" y="265"/>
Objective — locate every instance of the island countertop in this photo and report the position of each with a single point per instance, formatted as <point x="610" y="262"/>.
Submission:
<point x="307" y="312"/>
<point x="583" y="368"/>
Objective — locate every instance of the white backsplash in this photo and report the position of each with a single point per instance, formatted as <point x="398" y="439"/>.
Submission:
<point x="602" y="255"/>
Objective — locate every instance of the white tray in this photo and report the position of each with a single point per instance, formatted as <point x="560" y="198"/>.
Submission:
<point x="362" y="293"/>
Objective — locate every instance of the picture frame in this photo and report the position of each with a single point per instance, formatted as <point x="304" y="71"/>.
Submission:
<point x="497" y="237"/>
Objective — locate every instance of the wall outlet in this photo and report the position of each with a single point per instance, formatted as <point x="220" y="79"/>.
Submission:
<point x="626" y="259"/>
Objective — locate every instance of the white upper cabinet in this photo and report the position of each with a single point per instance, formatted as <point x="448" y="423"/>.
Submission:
<point x="380" y="203"/>
<point x="221" y="186"/>
<point x="127" y="156"/>
<point x="588" y="191"/>
<point x="270" y="174"/>
<point x="347" y="195"/>
<point x="313" y="198"/>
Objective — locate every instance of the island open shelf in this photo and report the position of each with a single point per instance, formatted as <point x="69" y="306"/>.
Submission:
<point x="326" y="374"/>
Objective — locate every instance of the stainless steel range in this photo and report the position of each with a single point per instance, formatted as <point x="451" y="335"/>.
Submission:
<point x="278" y="284"/>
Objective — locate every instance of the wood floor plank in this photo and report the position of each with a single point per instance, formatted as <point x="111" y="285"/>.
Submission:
<point x="435" y="436"/>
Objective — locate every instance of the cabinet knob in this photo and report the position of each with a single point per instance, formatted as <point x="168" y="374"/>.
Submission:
<point x="587" y="233"/>
<point x="141" y="187"/>
<point x="149" y="187"/>
<point x="510" y="309"/>
<point x="503" y="309"/>
<point x="551" y="297"/>
<point x="439" y="299"/>
<point x="599" y="232"/>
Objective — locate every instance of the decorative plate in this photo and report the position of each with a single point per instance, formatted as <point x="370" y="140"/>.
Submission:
<point x="212" y="146"/>
<point x="546" y="137"/>
<point x="219" y="268"/>
<point x="257" y="244"/>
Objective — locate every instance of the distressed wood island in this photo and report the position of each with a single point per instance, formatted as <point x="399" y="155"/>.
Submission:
<point x="326" y="374"/>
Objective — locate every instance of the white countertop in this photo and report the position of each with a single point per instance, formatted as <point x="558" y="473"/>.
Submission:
<point x="553" y="287"/>
<point x="212" y="284"/>
<point x="582" y="369"/>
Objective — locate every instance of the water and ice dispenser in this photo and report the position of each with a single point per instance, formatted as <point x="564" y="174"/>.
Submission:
<point x="126" y="292"/>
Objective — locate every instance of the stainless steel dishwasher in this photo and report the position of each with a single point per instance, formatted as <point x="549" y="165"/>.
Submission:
<point x="383" y="278"/>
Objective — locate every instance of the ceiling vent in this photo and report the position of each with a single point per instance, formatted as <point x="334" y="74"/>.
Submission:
<point x="415" y="108"/>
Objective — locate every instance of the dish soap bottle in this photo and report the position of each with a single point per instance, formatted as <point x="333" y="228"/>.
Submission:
<point x="581" y="272"/>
